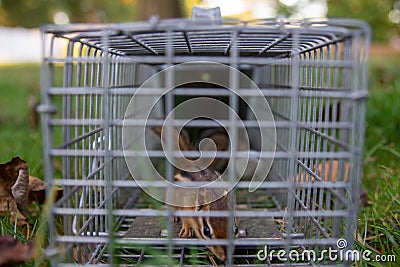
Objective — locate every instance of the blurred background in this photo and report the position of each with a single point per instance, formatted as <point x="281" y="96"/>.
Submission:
<point x="19" y="19"/>
<point x="20" y="57"/>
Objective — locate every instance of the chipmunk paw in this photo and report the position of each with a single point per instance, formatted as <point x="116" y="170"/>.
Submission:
<point x="186" y="231"/>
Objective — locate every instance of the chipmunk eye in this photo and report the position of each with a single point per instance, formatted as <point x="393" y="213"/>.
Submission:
<point x="235" y="230"/>
<point x="206" y="229"/>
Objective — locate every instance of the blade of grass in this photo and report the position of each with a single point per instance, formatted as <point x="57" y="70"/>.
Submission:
<point x="375" y="148"/>
<point x="15" y="223"/>
<point x="391" y="150"/>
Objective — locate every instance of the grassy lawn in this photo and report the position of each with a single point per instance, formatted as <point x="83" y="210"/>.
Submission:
<point x="379" y="227"/>
<point x="17" y="138"/>
<point x="379" y="220"/>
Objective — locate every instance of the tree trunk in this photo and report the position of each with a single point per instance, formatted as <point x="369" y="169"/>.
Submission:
<point x="162" y="8"/>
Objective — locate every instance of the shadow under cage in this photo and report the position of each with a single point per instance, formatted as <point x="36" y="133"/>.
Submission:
<point x="283" y="112"/>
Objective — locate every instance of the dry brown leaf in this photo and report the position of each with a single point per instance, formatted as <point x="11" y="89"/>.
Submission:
<point x="37" y="190"/>
<point x="13" y="252"/>
<point x="8" y="207"/>
<point x="9" y="173"/>
<point x="20" y="190"/>
<point x="14" y="180"/>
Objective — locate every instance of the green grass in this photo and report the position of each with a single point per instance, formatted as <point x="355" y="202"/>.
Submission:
<point x="17" y="83"/>
<point x="383" y="114"/>
<point x="17" y="138"/>
<point x="379" y="220"/>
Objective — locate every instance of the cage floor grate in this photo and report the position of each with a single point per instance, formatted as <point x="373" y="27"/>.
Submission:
<point x="152" y="227"/>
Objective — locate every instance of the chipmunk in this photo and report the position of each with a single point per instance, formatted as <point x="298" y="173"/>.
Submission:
<point x="201" y="199"/>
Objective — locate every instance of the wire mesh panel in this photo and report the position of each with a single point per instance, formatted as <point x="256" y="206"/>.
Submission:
<point x="110" y="94"/>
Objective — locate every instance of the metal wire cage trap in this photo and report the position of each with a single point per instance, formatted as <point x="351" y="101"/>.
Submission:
<point x="312" y="73"/>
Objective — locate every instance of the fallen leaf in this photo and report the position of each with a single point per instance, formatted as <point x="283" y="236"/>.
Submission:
<point x="13" y="252"/>
<point x="14" y="181"/>
<point x="8" y="207"/>
<point x="20" y="190"/>
<point x="9" y="173"/>
<point x="37" y="190"/>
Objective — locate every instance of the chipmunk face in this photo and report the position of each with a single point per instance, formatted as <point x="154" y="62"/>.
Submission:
<point x="215" y="227"/>
<point x="205" y="199"/>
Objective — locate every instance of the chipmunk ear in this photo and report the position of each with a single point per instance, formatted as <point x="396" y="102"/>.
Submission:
<point x="157" y="130"/>
<point x="182" y="137"/>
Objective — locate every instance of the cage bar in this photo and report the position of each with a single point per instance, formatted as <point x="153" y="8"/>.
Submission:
<point x="312" y="73"/>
